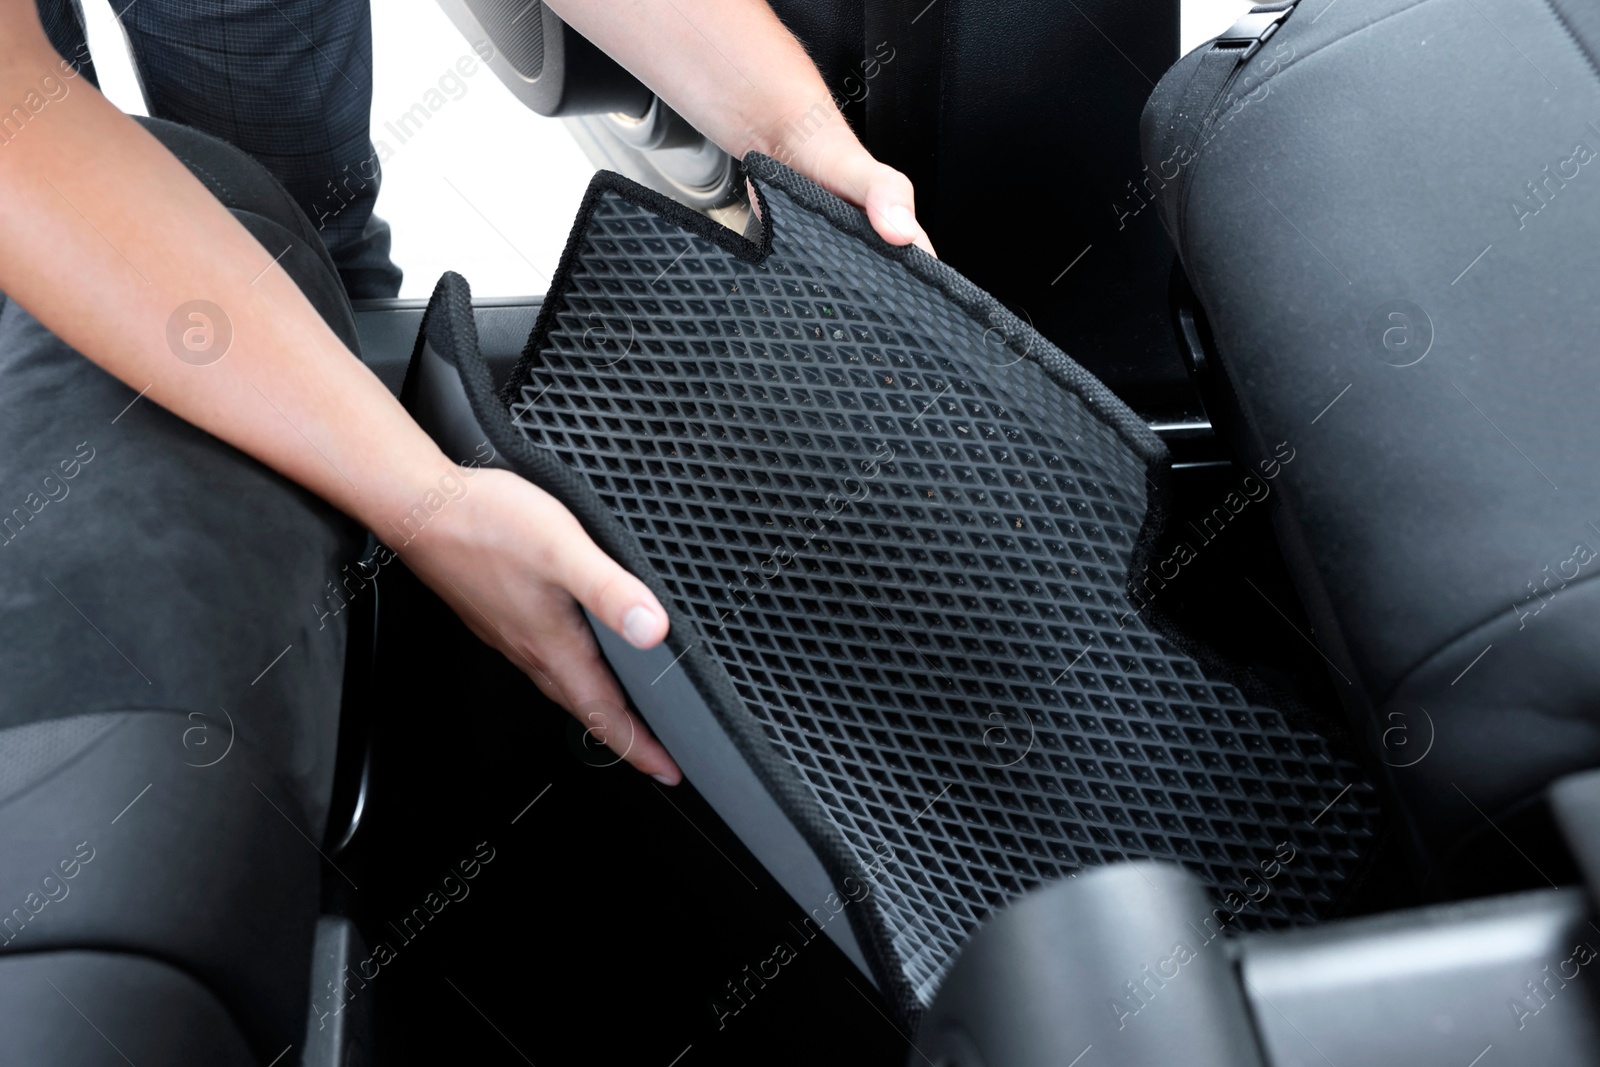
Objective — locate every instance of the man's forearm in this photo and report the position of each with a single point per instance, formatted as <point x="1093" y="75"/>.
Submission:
<point x="92" y="204"/>
<point x="738" y="76"/>
<point x="729" y="66"/>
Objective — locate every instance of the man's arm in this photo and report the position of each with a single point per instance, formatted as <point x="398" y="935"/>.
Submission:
<point x="104" y="235"/>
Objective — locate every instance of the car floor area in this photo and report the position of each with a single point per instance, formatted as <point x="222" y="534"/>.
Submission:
<point x="607" y="915"/>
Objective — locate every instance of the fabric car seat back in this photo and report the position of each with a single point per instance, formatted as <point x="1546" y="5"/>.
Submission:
<point x="1390" y="216"/>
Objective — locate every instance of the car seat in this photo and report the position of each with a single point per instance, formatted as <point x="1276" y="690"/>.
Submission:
<point x="170" y="703"/>
<point x="1388" y="222"/>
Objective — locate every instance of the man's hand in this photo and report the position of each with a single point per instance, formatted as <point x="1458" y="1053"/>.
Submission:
<point x="738" y="76"/>
<point x="834" y="159"/>
<point x="516" y="565"/>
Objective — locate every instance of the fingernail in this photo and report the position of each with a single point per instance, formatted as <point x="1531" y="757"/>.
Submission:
<point x="639" y="626"/>
<point x="901" y="220"/>
<point x="663" y="779"/>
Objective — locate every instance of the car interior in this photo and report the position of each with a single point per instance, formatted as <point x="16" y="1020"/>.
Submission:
<point x="1153" y="626"/>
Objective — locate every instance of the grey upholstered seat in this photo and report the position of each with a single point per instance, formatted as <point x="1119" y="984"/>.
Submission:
<point x="169" y="700"/>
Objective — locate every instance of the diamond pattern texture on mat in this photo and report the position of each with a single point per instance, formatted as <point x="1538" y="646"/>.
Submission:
<point x="909" y="548"/>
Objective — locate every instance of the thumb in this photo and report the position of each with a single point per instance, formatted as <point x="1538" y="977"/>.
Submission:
<point x="612" y="595"/>
<point x="890" y="202"/>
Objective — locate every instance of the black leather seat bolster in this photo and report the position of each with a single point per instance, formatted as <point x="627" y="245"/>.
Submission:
<point x="103" y="1009"/>
<point x="128" y="834"/>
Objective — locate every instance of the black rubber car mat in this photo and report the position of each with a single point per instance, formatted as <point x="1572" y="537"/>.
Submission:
<point x="894" y="528"/>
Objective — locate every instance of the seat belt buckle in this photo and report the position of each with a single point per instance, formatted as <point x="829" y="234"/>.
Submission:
<point x="1253" y="29"/>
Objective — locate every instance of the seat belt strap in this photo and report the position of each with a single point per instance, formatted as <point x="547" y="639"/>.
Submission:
<point x="1227" y="54"/>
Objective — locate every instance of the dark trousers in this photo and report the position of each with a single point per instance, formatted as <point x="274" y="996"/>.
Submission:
<point x="287" y="81"/>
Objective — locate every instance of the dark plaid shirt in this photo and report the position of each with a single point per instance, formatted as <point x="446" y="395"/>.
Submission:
<point x="288" y="81"/>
